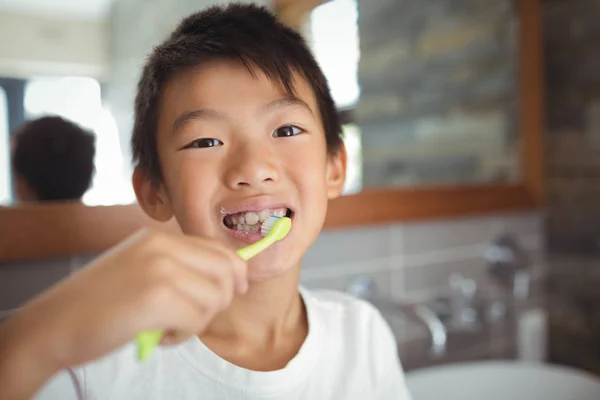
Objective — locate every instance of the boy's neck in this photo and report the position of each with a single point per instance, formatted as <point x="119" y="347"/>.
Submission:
<point x="266" y="313"/>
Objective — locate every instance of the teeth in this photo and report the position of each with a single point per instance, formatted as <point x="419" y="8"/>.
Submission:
<point x="251" y="218"/>
<point x="251" y="221"/>
<point x="264" y="215"/>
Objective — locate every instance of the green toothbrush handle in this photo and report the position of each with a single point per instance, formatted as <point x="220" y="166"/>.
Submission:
<point x="254" y="249"/>
<point x="147" y="341"/>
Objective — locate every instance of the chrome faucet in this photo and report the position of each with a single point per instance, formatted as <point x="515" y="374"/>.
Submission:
<point x="364" y="287"/>
<point x="508" y="264"/>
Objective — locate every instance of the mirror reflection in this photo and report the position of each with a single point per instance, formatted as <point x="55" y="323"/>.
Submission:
<point x="51" y="155"/>
<point x="431" y="86"/>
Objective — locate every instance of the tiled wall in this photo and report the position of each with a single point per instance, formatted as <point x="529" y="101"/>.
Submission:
<point x="415" y="260"/>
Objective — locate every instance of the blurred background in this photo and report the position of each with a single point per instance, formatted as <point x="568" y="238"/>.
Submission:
<point x="430" y="94"/>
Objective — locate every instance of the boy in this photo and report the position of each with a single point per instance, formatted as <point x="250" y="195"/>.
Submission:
<point x="233" y="118"/>
<point x="52" y="160"/>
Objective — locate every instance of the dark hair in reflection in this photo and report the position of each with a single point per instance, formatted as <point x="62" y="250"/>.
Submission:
<point x="55" y="157"/>
<point x="247" y="33"/>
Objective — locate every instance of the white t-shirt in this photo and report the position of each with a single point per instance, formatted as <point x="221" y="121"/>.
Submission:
<point x="349" y="353"/>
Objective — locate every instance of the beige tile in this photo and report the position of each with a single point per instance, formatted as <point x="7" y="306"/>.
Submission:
<point x="405" y="328"/>
<point x="397" y="277"/>
<point x="434" y="276"/>
<point x="532" y="241"/>
<point x="348" y="246"/>
<point x="523" y="224"/>
<point x="538" y="263"/>
<point x="397" y="232"/>
<point x="433" y="236"/>
<point x="381" y="278"/>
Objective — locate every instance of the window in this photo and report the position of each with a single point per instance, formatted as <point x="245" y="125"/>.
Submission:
<point x="335" y="44"/>
<point x="352" y="141"/>
<point x="79" y="100"/>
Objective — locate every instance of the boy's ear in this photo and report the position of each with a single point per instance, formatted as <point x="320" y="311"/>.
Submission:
<point x="151" y="197"/>
<point x="336" y="172"/>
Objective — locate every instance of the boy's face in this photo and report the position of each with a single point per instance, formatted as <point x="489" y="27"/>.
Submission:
<point x="234" y="147"/>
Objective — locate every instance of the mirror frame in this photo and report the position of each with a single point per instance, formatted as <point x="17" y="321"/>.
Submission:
<point x="43" y="231"/>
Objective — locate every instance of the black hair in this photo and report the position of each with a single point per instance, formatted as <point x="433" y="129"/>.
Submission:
<point x="55" y="157"/>
<point x="243" y="32"/>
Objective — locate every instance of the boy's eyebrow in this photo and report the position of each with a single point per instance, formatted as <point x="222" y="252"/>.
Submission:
<point x="200" y="113"/>
<point x="287" y="101"/>
<point x="209" y="113"/>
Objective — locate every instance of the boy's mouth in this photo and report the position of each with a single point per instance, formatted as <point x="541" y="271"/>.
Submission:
<point x="251" y="221"/>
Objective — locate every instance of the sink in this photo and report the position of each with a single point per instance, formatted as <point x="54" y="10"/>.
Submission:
<point x="502" y="380"/>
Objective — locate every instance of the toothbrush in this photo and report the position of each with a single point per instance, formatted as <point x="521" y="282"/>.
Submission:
<point x="273" y="229"/>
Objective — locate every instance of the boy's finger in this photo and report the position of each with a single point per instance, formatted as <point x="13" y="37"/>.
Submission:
<point x="230" y="260"/>
<point x="184" y="315"/>
<point x="210" y="266"/>
<point x="208" y="296"/>
<point x="207" y="258"/>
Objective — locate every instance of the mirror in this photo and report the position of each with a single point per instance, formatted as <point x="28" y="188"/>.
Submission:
<point x="429" y="89"/>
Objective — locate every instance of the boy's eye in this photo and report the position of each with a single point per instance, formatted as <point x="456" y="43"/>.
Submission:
<point x="286" y="131"/>
<point x="204" y="142"/>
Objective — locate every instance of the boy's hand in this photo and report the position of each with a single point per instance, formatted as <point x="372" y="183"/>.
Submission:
<point x="152" y="281"/>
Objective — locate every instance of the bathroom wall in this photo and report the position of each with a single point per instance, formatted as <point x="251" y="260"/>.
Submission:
<point x="571" y="38"/>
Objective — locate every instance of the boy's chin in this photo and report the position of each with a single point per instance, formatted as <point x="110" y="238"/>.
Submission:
<point x="264" y="268"/>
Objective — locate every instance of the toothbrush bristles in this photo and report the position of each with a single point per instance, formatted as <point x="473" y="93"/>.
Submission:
<point x="266" y="226"/>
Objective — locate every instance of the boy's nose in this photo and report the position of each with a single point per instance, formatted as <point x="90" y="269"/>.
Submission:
<point x="252" y="167"/>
